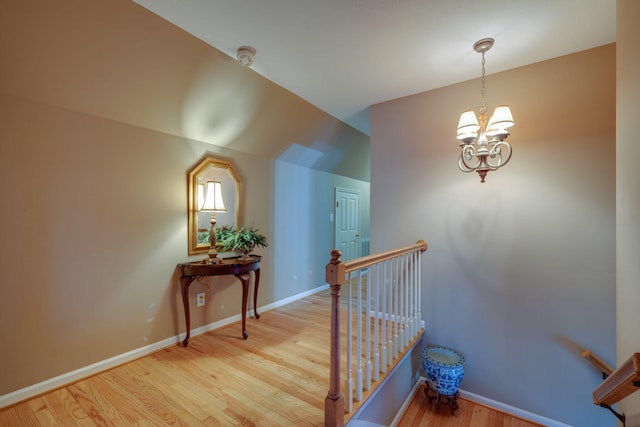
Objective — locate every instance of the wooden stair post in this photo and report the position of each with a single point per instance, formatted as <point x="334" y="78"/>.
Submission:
<point x="334" y="402"/>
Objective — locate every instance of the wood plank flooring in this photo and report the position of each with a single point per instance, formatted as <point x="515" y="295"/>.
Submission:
<point x="278" y="377"/>
<point x="421" y="413"/>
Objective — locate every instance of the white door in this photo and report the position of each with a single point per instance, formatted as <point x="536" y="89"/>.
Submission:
<point x="347" y="223"/>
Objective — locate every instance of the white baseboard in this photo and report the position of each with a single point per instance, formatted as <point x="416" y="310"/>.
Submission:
<point x="512" y="410"/>
<point x="362" y="423"/>
<point x="87" y="371"/>
<point x="103" y="365"/>
<point x="296" y="297"/>
<point x="485" y="401"/>
<point x="407" y="402"/>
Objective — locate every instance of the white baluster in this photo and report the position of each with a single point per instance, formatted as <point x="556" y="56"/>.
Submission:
<point x="390" y="316"/>
<point x="348" y="395"/>
<point x="400" y="291"/>
<point x="416" y="298"/>
<point x="349" y="381"/>
<point x="359" y="340"/>
<point x="396" y="313"/>
<point x="414" y="311"/>
<point x="367" y="366"/>
<point x="419" y="254"/>
<point x="385" y="350"/>
<point x="407" y="317"/>
<point x="376" y="325"/>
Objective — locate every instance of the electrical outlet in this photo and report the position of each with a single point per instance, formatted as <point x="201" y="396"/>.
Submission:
<point x="200" y="299"/>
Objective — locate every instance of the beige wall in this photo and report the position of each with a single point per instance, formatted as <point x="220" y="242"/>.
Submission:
<point x="627" y="191"/>
<point x="94" y="224"/>
<point x="105" y="107"/>
<point x="520" y="270"/>
<point x="118" y="61"/>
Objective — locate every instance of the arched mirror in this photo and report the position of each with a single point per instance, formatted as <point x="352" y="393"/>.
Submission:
<point x="208" y="178"/>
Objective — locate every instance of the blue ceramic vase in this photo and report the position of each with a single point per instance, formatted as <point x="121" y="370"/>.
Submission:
<point x="444" y="368"/>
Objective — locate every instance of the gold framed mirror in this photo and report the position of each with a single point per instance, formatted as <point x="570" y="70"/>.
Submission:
<point x="225" y="175"/>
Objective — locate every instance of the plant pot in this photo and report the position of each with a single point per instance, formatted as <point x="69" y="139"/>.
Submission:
<point x="245" y="256"/>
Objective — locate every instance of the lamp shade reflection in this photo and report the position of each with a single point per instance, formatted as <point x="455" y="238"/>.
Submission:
<point x="212" y="198"/>
<point x="211" y="201"/>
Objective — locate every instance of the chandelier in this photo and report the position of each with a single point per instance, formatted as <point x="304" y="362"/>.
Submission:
<point x="483" y="146"/>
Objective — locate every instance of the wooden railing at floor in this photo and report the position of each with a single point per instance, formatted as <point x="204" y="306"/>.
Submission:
<point x="384" y="291"/>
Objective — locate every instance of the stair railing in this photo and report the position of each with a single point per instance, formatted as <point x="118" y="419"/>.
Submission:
<point x="384" y="290"/>
<point x="618" y="383"/>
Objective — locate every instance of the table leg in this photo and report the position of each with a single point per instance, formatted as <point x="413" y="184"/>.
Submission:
<point x="185" y="281"/>
<point x="255" y="293"/>
<point x="244" y="279"/>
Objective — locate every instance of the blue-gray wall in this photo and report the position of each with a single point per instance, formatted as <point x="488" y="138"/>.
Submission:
<point x="520" y="270"/>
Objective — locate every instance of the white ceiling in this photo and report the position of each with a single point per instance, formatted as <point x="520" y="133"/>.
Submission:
<point x="346" y="55"/>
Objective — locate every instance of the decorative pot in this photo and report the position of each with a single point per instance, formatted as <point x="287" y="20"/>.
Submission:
<point x="245" y="256"/>
<point x="444" y="368"/>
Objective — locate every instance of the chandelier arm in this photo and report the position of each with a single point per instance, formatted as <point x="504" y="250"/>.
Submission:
<point x="496" y="153"/>
<point x="463" y="167"/>
<point x="468" y="152"/>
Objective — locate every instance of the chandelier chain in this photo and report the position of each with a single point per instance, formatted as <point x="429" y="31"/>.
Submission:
<point x="482" y="91"/>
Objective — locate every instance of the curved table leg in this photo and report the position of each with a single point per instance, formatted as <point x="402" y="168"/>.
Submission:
<point x="255" y="293"/>
<point x="185" y="281"/>
<point x="244" y="278"/>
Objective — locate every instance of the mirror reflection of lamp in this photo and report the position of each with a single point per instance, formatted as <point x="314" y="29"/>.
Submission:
<point x="210" y="200"/>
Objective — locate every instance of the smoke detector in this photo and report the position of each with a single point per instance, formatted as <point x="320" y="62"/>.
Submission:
<point x="245" y="55"/>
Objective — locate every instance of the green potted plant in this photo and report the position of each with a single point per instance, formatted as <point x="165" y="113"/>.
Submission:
<point x="221" y="234"/>
<point x="243" y="240"/>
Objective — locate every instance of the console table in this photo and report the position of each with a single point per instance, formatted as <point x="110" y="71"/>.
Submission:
<point x="235" y="266"/>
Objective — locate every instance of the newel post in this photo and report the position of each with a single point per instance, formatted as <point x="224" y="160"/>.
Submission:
<point x="334" y="402"/>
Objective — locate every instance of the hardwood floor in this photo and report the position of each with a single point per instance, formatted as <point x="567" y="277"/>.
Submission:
<point x="421" y="413"/>
<point x="278" y="377"/>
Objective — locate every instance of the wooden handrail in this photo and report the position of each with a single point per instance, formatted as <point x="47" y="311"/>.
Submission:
<point x="369" y="260"/>
<point x="597" y="362"/>
<point x="620" y="383"/>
